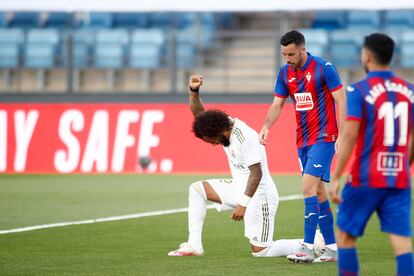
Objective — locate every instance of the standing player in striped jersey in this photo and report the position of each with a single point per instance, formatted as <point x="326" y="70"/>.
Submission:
<point x="315" y="87"/>
<point x="251" y="193"/>
<point x="380" y="121"/>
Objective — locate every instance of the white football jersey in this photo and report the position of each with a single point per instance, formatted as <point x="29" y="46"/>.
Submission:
<point x="245" y="150"/>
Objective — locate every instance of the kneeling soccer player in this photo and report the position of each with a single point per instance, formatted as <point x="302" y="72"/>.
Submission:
<point x="251" y="193"/>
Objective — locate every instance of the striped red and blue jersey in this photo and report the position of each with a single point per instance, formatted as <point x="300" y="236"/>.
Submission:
<point x="310" y="89"/>
<point x="384" y="105"/>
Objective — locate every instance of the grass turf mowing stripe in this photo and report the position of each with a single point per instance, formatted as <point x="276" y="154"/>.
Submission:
<point x="115" y="218"/>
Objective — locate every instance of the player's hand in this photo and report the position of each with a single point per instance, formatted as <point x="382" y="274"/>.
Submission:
<point x="335" y="190"/>
<point x="195" y="82"/>
<point x="238" y="213"/>
<point x="264" y="132"/>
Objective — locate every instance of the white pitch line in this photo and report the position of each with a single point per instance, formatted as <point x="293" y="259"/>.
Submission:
<point x="115" y="218"/>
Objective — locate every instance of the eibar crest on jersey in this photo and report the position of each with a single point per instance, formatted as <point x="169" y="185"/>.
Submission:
<point x="308" y="76"/>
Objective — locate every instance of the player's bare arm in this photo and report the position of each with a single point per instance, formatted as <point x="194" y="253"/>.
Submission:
<point x="340" y="102"/>
<point x="272" y="115"/>
<point x="349" y="138"/>
<point x="252" y="184"/>
<point x="412" y="147"/>
<point x="196" y="106"/>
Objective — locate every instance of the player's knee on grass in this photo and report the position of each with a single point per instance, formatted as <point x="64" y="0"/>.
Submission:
<point x="259" y="251"/>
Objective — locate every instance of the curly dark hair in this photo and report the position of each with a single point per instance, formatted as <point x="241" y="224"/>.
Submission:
<point x="211" y="123"/>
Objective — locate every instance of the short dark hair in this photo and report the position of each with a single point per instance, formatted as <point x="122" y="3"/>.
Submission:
<point x="211" y="123"/>
<point x="292" y="37"/>
<point x="381" y="46"/>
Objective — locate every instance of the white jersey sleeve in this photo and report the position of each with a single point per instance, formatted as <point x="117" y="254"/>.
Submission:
<point x="251" y="151"/>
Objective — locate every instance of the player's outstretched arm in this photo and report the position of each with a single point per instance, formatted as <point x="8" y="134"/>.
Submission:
<point x="272" y="115"/>
<point x="349" y="138"/>
<point x="340" y="101"/>
<point x="196" y="105"/>
<point x="412" y="147"/>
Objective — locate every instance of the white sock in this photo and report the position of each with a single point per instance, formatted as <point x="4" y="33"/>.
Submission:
<point x="332" y="246"/>
<point x="197" y="202"/>
<point x="309" y="245"/>
<point x="283" y="248"/>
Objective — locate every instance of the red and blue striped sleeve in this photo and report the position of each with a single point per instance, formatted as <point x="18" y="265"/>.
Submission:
<point x="354" y="104"/>
<point x="411" y="100"/>
<point x="331" y="76"/>
<point x="412" y="114"/>
<point x="281" y="89"/>
<point x="412" y="103"/>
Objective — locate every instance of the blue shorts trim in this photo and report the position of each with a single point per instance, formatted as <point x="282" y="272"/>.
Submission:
<point x="316" y="159"/>
<point x="393" y="207"/>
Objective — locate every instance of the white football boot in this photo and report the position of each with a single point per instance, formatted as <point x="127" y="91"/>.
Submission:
<point x="186" y="250"/>
<point x="323" y="253"/>
<point x="318" y="244"/>
<point x="302" y="255"/>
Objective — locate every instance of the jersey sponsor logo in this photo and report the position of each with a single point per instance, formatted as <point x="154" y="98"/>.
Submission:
<point x="292" y="79"/>
<point x="324" y="216"/>
<point x="390" y="163"/>
<point x="239" y="166"/>
<point x="308" y="76"/>
<point x="317" y="165"/>
<point x="304" y="101"/>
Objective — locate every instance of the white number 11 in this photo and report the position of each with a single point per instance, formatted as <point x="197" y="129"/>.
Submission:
<point x="389" y="113"/>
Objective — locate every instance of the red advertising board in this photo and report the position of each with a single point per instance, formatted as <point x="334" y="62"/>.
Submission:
<point x="109" y="138"/>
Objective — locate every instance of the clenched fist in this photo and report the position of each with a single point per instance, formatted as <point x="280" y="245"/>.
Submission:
<point x="195" y="82"/>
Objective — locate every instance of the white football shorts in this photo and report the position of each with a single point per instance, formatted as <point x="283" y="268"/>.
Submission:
<point x="259" y="219"/>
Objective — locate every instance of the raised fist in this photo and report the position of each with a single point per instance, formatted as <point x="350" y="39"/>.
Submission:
<point x="195" y="82"/>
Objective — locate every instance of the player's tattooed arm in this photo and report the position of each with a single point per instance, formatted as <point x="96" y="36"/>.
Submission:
<point x="252" y="184"/>
<point x="254" y="179"/>
<point x="196" y="105"/>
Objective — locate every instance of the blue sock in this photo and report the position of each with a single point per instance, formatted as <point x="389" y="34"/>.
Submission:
<point x="326" y="222"/>
<point x="348" y="262"/>
<point x="311" y="218"/>
<point x="405" y="265"/>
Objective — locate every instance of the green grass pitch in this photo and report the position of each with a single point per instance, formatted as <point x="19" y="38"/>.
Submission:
<point x="139" y="246"/>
